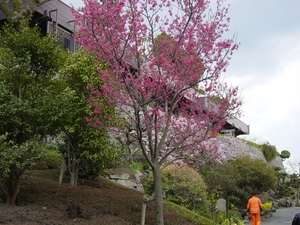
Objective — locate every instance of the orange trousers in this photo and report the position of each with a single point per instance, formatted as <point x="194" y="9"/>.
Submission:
<point x="255" y="218"/>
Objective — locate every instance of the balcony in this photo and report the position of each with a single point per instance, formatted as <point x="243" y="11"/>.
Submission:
<point x="66" y="38"/>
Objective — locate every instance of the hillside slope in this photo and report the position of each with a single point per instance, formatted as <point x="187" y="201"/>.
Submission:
<point x="42" y="201"/>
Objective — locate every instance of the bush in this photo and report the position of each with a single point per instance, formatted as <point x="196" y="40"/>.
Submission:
<point x="52" y="158"/>
<point x="269" y="151"/>
<point x="293" y="191"/>
<point x="232" y="221"/>
<point x="95" y="163"/>
<point x="181" y="185"/>
<point x="140" y="165"/>
<point x="88" y="172"/>
<point x="267" y="206"/>
<point x="238" y="197"/>
<point x="190" y="215"/>
<point x="234" y="217"/>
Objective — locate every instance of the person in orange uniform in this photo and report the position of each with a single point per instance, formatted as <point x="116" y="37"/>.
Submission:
<point x="254" y="207"/>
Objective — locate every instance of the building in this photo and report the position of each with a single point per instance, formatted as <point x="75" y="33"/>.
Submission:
<point x="53" y="16"/>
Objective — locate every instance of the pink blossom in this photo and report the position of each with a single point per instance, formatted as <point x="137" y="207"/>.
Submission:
<point x="164" y="73"/>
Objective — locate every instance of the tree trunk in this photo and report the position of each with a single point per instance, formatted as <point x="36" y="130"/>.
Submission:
<point x="5" y="192"/>
<point x="72" y="178"/>
<point x="13" y="185"/>
<point x="74" y="169"/>
<point x="158" y="198"/>
<point x="76" y="177"/>
<point x="72" y="165"/>
<point x="14" y="191"/>
<point x="62" y="170"/>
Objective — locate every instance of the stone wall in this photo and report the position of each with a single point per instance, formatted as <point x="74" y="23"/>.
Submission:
<point x="277" y="162"/>
<point x="128" y="177"/>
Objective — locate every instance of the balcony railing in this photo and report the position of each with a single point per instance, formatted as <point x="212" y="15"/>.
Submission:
<point x="66" y="38"/>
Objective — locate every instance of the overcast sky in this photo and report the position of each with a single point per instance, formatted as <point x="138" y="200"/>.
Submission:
<point x="266" y="68"/>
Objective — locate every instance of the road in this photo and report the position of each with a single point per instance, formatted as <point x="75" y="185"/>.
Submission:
<point x="280" y="217"/>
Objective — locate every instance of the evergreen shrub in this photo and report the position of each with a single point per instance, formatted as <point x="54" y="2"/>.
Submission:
<point x="52" y="158"/>
<point x="181" y="185"/>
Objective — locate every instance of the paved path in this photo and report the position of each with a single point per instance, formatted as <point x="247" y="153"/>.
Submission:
<point x="282" y="216"/>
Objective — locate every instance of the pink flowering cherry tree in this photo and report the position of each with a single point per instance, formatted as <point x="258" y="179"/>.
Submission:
<point x="163" y="61"/>
<point x="230" y="148"/>
<point x="225" y="148"/>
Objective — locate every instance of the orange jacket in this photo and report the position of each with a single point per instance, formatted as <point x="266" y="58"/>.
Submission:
<point x="254" y="205"/>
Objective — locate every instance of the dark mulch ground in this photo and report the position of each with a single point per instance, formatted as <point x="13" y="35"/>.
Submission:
<point x="42" y="201"/>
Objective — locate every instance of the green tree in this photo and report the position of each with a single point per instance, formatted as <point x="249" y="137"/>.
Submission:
<point x="14" y="160"/>
<point x="253" y="174"/>
<point x="285" y="154"/>
<point x="218" y="176"/>
<point x="30" y="98"/>
<point x="16" y="14"/>
<point x="86" y="145"/>
<point x="240" y="176"/>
